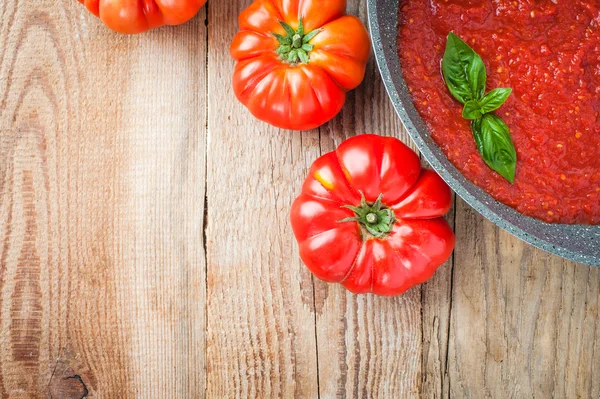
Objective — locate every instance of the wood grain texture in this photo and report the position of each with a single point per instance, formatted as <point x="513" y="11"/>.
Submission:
<point x="261" y="335"/>
<point x="101" y="206"/>
<point x="523" y="323"/>
<point x="436" y="302"/>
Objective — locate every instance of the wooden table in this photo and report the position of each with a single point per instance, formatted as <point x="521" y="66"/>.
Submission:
<point x="145" y="248"/>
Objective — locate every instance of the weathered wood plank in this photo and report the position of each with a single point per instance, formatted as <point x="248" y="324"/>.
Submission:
<point x="261" y="336"/>
<point x="436" y="297"/>
<point x="368" y="346"/>
<point x="101" y="206"/>
<point x="523" y="323"/>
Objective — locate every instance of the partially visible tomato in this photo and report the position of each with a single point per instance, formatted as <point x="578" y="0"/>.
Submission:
<point x="136" y="16"/>
<point x="371" y="219"/>
<point x="296" y="59"/>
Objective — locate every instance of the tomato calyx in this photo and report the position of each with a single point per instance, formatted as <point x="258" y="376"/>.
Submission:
<point x="294" y="46"/>
<point x="377" y="219"/>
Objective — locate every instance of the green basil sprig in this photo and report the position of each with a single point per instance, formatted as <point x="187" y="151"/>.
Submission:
<point x="465" y="76"/>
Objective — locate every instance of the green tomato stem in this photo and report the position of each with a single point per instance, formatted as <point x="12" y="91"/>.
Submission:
<point x="294" y="46"/>
<point x="375" y="218"/>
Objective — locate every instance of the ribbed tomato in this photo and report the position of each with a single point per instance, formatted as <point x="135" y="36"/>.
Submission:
<point x="136" y="16"/>
<point x="296" y="59"/>
<point x="371" y="219"/>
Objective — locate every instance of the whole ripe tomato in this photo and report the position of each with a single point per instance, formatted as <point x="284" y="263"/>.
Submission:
<point x="296" y="59"/>
<point x="370" y="219"/>
<point x="136" y="16"/>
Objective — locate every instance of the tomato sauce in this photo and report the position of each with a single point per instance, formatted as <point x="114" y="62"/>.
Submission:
<point x="548" y="52"/>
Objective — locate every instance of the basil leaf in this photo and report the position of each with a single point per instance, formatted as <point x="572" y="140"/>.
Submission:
<point x="463" y="70"/>
<point x="472" y="110"/>
<point x="494" y="100"/>
<point x="495" y="145"/>
<point x="477" y="76"/>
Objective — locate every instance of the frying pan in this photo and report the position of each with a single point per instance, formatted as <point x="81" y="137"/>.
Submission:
<point x="580" y="243"/>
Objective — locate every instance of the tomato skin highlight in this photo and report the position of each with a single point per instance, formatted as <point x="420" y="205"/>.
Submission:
<point x="338" y="249"/>
<point x="298" y="95"/>
<point x="137" y="16"/>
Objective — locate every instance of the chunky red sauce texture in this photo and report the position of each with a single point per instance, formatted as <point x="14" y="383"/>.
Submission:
<point x="548" y="52"/>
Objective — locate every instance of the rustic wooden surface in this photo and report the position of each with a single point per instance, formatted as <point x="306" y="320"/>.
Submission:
<point x="145" y="249"/>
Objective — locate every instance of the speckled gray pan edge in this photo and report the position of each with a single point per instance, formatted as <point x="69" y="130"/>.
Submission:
<point x="576" y="242"/>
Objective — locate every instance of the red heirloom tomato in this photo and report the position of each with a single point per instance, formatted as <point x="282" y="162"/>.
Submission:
<point x="136" y="16"/>
<point x="296" y="59"/>
<point x="370" y="219"/>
